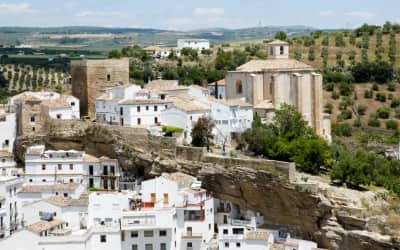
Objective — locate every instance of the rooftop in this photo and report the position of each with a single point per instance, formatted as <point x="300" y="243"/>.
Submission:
<point x="42" y="226"/>
<point x="143" y="101"/>
<point x="232" y="102"/>
<point x="185" y="104"/>
<point x="278" y="42"/>
<point x="90" y="158"/>
<point x="219" y="83"/>
<point x="164" y="85"/>
<point x="64" y="202"/>
<point x="179" y="178"/>
<point x="273" y="64"/>
<point x="41" y="188"/>
<point x="4" y="153"/>
<point x="258" y="235"/>
<point x="61" y="102"/>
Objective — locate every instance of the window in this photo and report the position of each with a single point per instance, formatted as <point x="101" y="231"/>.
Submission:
<point x="30" y="180"/>
<point x="59" y="167"/>
<point x="134" y="234"/>
<point x="238" y="244"/>
<point x="58" y="116"/>
<point x="239" y="87"/>
<point x="32" y="119"/>
<point x="225" y="231"/>
<point x="282" y="50"/>
<point x="33" y="129"/>
<point x="189" y="244"/>
<point x="71" y="166"/>
<point x="71" y="180"/>
<point x="163" y="233"/>
<point x="162" y="97"/>
<point x="149" y="233"/>
<point x="121" y="111"/>
<point x="6" y="142"/>
<point x="155" y="120"/>
<point x="139" y="121"/>
<point x="138" y="108"/>
<point x="226" y="244"/>
<point x="155" y="108"/>
<point x="238" y="231"/>
<point x="148" y="247"/>
<point x="43" y="180"/>
<point x="147" y="107"/>
<point x="65" y="195"/>
<point x="90" y="170"/>
<point x="108" y="77"/>
<point x="163" y="246"/>
<point x="134" y="247"/>
<point x="271" y="51"/>
<point x="72" y="103"/>
<point x="166" y="106"/>
<point x="103" y="238"/>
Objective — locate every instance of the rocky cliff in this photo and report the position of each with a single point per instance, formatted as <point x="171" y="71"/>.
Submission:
<point x="272" y="188"/>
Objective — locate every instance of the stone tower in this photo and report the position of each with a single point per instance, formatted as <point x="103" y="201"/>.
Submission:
<point x="90" y="78"/>
<point x="278" y="50"/>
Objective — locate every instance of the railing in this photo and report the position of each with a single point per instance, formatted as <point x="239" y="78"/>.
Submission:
<point x="223" y="210"/>
<point x="241" y="222"/>
<point x="232" y="236"/>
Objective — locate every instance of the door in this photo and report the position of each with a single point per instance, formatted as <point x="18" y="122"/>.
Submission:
<point x="153" y="197"/>
<point x="166" y="200"/>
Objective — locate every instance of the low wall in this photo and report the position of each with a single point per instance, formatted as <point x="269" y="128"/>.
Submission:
<point x="189" y="153"/>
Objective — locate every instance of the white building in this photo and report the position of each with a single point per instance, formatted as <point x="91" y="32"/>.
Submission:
<point x="73" y="211"/>
<point x="8" y="165"/>
<point x="63" y="108"/>
<point x="217" y="88"/>
<point x="10" y="219"/>
<point x="70" y="166"/>
<point x="161" y="52"/>
<point x="8" y="128"/>
<point x="196" y="44"/>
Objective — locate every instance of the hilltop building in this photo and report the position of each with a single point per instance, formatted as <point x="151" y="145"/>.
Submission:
<point x="267" y="84"/>
<point x="196" y="44"/>
<point x="90" y="78"/>
<point x="32" y="109"/>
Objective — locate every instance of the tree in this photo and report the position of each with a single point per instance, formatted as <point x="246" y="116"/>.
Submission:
<point x="339" y="59"/>
<point x="202" y="133"/>
<point x="297" y="54"/>
<point x="311" y="54"/>
<point x="392" y="48"/>
<point x="387" y="28"/>
<point x="280" y="35"/>
<point x="114" y="54"/>
<point x="339" y="40"/>
<point x="325" y="41"/>
<point x="365" y="41"/>
<point x="352" y="38"/>
<point x="352" y="57"/>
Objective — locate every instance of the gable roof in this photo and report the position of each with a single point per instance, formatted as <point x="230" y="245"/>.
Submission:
<point x="273" y="64"/>
<point x="42" y="225"/>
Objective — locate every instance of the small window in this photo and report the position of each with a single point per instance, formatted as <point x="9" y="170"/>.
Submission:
<point x="134" y="247"/>
<point x="71" y="166"/>
<point x="139" y="121"/>
<point x="66" y="195"/>
<point x="238" y="231"/>
<point x="134" y="234"/>
<point x="6" y="142"/>
<point x="138" y="108"/>
<point x="30" y="180"/>
<point x="108" y="77"/>
<point x="148" y="247"/>
<point x="43" y="167"/>
<point x="238" y="244"/>
<point x="33" y="129"/>
<point x="71" y="180"/>
<point x="163" y="246"/>
<point x="103" y="238"/>
<point x="59" y="167"/>
<point x="72" y="103"/>
<point x="226" y="244"/>
<point x="58" y="116"/>
<point x="239" y="87"/>
<point x="155" y="108"/>
<point x="166" y="106"/>
<point x="189" y="244"/>
<point x="147" y="107"/>
<point x="148" y="233"/>
<point x="282" y="50"/>
<point x="32" y="119"/>
<point x="155" y="120"/>
<point x="43" y="180"/>
<point x="163" y="233"/>
<point x="225" y="231"/>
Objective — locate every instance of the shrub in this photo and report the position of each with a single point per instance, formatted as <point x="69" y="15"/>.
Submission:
<point x="391" y="124"/>
<point x="368" y="94"/>
<point x="361" y="109"/>
<point x="169" y="130"/>
<point x="397" y="113"/>
<point x="328" y="108"/>
<point x="392" y="86"/>
<point x="375" y="87"/>
<point x="345" y="88"/>
<point x="373" y="121"/>
<point x="380" y="97"/>
<point x="357" y="123"/>
<point x="329" y="86"/>
<point x="346" y="114"/>
<point x="383" y="113"/>
<point x="342" y="129"/>
<point x="395" y="103"/>
<point x="335" y="95"/>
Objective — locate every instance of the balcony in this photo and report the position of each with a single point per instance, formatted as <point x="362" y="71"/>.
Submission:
<point x="243" y="223"/>
<point x="224" y="210"/>
<point x="192" y="236"/>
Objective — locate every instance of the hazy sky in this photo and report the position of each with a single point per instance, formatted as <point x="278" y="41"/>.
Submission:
<point x="189" y="14"/>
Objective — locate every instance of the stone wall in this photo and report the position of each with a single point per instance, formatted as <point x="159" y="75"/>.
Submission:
<point x="90" y="78"/>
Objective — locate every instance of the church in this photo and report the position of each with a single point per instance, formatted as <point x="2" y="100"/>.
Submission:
<point x="267" y="84"/>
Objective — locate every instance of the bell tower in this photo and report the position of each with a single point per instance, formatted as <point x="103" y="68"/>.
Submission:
<point x="278" y="50"/>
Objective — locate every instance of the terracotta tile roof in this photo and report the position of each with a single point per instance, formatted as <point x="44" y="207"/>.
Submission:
<point x="273" y="64"/>
<point x="278" y="42"/>
<point x="35" y="150"/>
<point x="41" y="188"/>
<point x="186" y="105"/>
<point x="232" y="102"/>
<point x="42" y="226"/>
<point x="66" y="202"/>
<point x="90" y="158"/>
<point x="265" y="104"/>
<point x="219" y="82"/>
<point x="258" y="235"/>
<point x="57" y="103"/>
<point x="143" y="101"/>
<point x="4" y="153"/>
<point x="277" y="246"/>
<point x="164" y="85"/>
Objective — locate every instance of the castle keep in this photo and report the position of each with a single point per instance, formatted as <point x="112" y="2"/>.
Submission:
<point x="90" y="78"/>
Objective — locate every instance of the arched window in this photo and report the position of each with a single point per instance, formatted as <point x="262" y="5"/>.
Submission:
<point x="239" y="87"/>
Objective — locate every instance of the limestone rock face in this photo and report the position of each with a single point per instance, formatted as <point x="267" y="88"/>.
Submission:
<point x="303" y="211"/>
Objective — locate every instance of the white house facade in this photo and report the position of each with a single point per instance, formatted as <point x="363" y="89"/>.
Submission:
<point x="196" y="44"/>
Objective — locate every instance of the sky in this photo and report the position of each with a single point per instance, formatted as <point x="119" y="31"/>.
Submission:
<point x="190" y="14"/>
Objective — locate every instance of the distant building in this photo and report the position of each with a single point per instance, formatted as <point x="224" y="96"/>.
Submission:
<point x="218" y="88"/>
<point x="90" y="79"/>
<point x="196" y="44"/>
<point x="267" y="84"/>
<point x="161" y="52"/>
